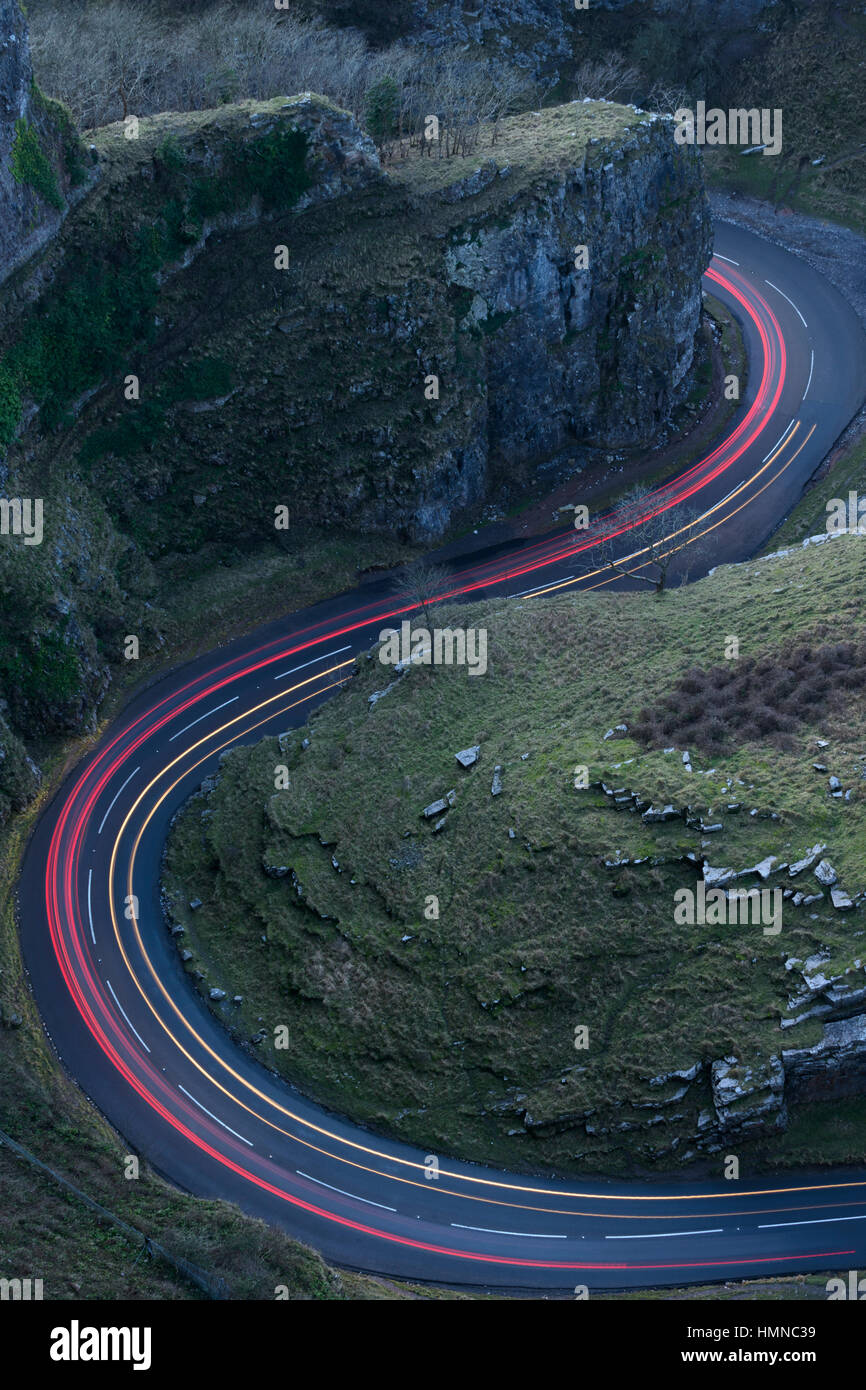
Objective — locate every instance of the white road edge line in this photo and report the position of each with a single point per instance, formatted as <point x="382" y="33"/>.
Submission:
<point x="666" y="1235"/>
<point x="353" y="1195"/>
<point x="782" y="437"/>
<point x="541" y="590"/>
<point x="720" y="257"/>
<point x="323" y="657"/>
<point x="532" y="1235"/>
<point x="116" y="795"/>
<point x="811" y="370"/>
<point x="790" y="301"/>
<point x="203" y="716"/>
<point x="214" y="1117"/>
<point x="89" y="909"/>
<point x="818" y="1221"/>
<point x="126" y="1016"/>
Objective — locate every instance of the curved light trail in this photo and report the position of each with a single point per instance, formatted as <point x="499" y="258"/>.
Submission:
<point x="163" y="1070"/>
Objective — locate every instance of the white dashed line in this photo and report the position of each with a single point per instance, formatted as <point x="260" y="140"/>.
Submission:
<point x="116" y="795"/>
<point x="779" y="441"/>
<point x="817" y="1221"/>
<point x="89" y="910"/>
<point x="666" y="1235"/>
<point x="214" y="1117"/>
<point x="354" y="1196"/>
<point x="125" y="1015"/>
<point x="718" y="255"/>
<point x="811" y="370"/>
<point x="539" y="591"/>
<point x="203" y="716"/>
<point x="323" y="657"/>
<point x="790" y="301"/>
<point x="531" y="1235"/>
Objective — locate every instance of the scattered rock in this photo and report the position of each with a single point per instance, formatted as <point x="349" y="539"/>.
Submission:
<point x="467" y="756"/>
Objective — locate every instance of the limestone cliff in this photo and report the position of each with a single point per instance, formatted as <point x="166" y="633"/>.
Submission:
<point x="245" y="309"/>
<point x="544" y="36"/>
<point x="40" y="159"/>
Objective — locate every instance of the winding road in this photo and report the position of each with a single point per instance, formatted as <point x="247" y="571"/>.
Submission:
<point x="130" y="1029"/>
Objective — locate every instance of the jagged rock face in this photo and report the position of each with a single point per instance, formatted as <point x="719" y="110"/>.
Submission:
<point x="834" y="1068"/>
<point x="15" y="77"/>
<point x="313" y="375"/>
<point x="543" y="29"/>
<point x="599" y="353"/>
<point x="37" y="145"/>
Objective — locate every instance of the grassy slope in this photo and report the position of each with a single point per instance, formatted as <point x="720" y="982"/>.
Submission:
<point x="451" y="1036"/>
<point x="846" y="473"/>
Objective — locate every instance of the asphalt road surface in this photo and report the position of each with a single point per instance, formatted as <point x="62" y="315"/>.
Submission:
<point x="127" y="1025"/>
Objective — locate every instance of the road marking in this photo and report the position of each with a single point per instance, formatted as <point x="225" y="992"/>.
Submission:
<point x="89" y="911"/>
<point x="203" y="716"/>
<point x="536" y="590"/>
<point x="782" y="436"/>
<point x="117" y="794"/>
<point x="323" y="657"/>
<point x="790" y="301"/>
<point x="720" y="257"/>
<point x="666" y="1235"/>
<point x="532" y="1235"/>
<point x="818" y="1221"/>
<point x="126" y="1016"/>
<point x="214" y="1117"/>
<point x="353" y="1195"/>
<point x="811" y="370"/>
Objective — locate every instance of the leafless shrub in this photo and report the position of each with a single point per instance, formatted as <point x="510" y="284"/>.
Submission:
<point x="642" y="543"/>
<point x="420" y="584"/>
<point x="669" y="97"/>
<point x="610" y="78"/>
<point x="118" y="58"/>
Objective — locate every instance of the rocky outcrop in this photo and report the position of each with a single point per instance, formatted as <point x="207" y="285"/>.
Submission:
<point x="379" y="347"/>
<point x="748" y="1098"/>
<point x="605" y="350"/>
<point x="539" y="35"/>
<point x="835" y="1067"/>
<point x="40" y="158"/>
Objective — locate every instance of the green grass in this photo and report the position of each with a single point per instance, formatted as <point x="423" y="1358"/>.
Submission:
<point x="102" y="304"/>
<point x="31" y="166"/>
<point x="846" y="473"/>
<point x="453" y="1036"/>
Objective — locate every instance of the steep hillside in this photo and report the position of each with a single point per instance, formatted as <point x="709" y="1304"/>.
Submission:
<point x="166" y="387"/>
<point x="432" y="971"/>
<point x="41" y="161"/>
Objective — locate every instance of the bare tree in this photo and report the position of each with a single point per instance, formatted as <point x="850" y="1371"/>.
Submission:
<point x="669" y="97"/>
<point x="642" y="542"/>
<point x="421" y="584"/>
<point x="606" y="79"/>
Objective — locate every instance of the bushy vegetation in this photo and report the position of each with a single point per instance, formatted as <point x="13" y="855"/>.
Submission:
<point x="31" y="166"/>
<point x="123" y="58"/>
<point x="102" y="305"/>
<point x="760" y="699"/>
